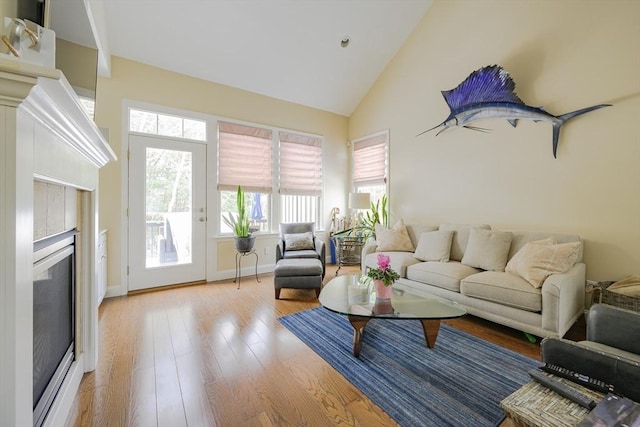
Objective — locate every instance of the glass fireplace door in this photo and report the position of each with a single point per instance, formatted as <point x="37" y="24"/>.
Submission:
<point x="53" y="322"/>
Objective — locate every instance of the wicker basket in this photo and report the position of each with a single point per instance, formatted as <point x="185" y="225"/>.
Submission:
<point x="627" y="302"/>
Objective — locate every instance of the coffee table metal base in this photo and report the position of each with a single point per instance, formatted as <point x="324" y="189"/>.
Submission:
<point x="431" y="327"/>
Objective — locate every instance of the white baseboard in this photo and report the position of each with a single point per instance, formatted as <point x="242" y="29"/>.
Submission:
<point x="245" y="272"/>
<point x="114" y="291"/>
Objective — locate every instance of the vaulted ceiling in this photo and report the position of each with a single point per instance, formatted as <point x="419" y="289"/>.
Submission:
<point x="286" y="49"/>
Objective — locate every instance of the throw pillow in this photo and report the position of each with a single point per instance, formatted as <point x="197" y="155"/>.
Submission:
<point x="541" y="261"/>
<point x="460" y="237"/>
<point x="517" y="259"/>
<point x="487" y="249"/>
<point x="298" y="241"/>
<point x="434" y="246"/>
<point x="394" y="239"/>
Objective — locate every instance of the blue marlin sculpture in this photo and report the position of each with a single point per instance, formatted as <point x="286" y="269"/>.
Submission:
<point x="488" y="93"/>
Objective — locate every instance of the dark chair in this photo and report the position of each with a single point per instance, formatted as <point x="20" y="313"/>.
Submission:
<point x="300" y="258"/>
<point x="316" y="250"/>
<point x="611" y="352"/>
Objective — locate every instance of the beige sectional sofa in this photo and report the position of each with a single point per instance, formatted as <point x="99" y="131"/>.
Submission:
<point x="466" y="264"/>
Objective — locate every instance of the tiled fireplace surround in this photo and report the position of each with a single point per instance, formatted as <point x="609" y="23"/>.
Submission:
<point x="44" y="136"/>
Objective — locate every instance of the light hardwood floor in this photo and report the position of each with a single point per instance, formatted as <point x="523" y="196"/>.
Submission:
<point x="213" y="355"/>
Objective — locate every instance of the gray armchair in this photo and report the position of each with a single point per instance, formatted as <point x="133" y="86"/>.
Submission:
<point x="611" y="352"/>
<point x="288" y="231"/>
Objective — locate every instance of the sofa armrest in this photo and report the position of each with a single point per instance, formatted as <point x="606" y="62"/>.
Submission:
<point x="319" y="247"/>
<point x="563" y="299"/>
<point x="279" y="250"/>
<point x="623" y="374"/>
<point x="614" y="327"/>
<point x="368" y="248"/>
<point x="321" y="250"/>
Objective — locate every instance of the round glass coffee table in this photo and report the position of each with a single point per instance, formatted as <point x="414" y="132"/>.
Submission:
<point x="355" y="297"/>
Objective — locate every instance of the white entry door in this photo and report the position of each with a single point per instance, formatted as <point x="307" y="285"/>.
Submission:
<point x="167" y="217"/>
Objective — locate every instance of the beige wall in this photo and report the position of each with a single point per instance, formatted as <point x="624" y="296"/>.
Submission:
<point x="138" y="82"/>
<point x="79" y="65"/>
<point x="8" y="8"/>
<point x="563" y="55"/>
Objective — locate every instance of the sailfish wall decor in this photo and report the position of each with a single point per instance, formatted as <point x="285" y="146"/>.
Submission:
<point x="488" y="93"/>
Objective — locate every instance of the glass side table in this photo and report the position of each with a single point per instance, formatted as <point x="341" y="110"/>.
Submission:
<point x="348" y="250"/>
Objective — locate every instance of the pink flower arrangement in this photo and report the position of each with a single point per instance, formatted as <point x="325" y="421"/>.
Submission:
<point x="383" y="272"/>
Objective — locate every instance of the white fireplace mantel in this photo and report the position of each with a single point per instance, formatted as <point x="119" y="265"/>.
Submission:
<point x="44" y="133"/>
<point x="46" y="95"/>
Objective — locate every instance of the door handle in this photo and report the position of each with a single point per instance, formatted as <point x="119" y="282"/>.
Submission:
<point x="202" y="219"/>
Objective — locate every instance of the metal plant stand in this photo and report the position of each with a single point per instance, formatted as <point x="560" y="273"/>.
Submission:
<point x="239" y="256"/>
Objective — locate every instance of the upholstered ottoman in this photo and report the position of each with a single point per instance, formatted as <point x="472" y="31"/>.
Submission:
<point x="297" y="273"/>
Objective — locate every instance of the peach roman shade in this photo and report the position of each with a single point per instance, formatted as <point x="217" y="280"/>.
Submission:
<point x="370" y="160"/>
<point x="300" y="164"/>
<point x="244" y="158"/>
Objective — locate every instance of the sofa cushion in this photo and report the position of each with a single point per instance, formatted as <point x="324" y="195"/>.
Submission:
<point x="297" y="267"/>
<point x="434" y="246"/>
<point x="460" y="237"/>
<point x="446" y="275"/>
<point x="538" y="260"/>
<point x="394" y="239"/>
<point x="304" y="253"/>
<point x="399" y="261"/>
<point x="487" y="249"/>
<point x="502" y="288"/>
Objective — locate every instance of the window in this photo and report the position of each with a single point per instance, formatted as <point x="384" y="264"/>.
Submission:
<point x="244" y="158"/>
<point x="89" y="105"/>
<point x="300" y="177"/>
<point x="300" y="208"/>
<point x="257" y="204"/>
<point x="370" y="164"/>
<point x="167" y="125"/>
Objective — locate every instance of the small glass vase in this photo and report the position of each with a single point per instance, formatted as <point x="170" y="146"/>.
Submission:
<point x="382" y="307"/>
<point x="382" y="291"/>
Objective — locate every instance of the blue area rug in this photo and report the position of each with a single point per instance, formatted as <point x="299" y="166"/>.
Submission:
<point x="460" y="382"/>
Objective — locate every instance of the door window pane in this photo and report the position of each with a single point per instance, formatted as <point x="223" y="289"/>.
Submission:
<point x="169" y="126"/>
<point x="166" y="125"/>
<point x="143" y="121"/>
<point x="168" y="203"/>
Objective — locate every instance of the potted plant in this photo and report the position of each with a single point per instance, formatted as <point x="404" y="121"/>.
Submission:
<point x="240" y="224"/>
<point x="383" y="277"/>
<point x="366" y="227"/>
